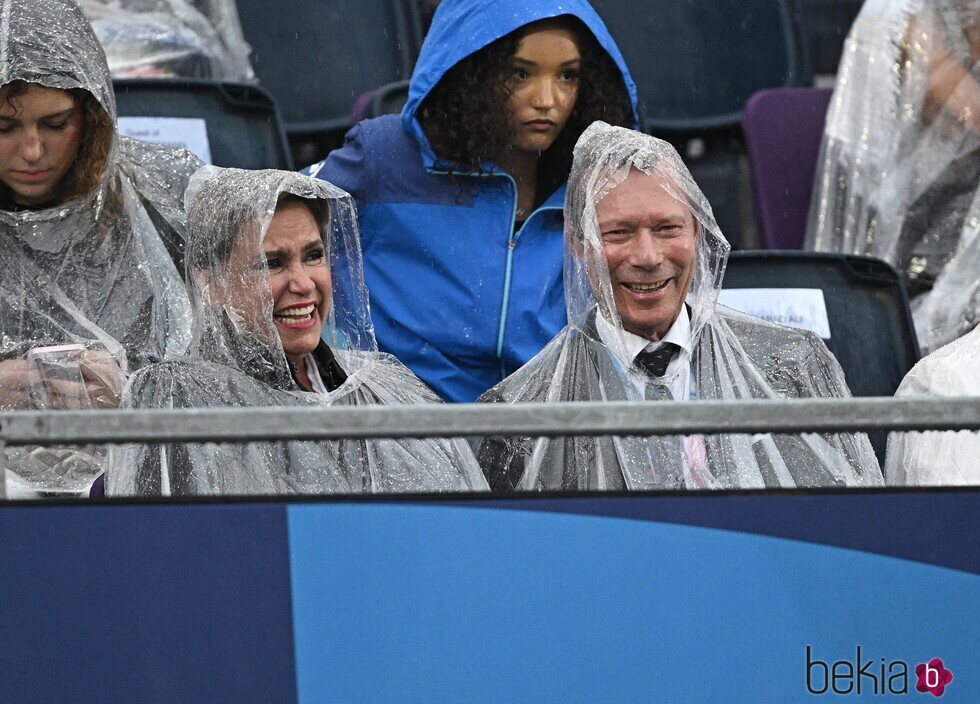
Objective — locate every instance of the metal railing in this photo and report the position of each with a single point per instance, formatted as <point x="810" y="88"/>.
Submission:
<point x="544" y="419"/>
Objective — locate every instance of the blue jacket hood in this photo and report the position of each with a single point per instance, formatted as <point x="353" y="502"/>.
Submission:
<point x="462" y="27"/>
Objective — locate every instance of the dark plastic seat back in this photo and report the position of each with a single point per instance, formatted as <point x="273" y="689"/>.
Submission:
<point x="696" y="62"/>
<point x="389" y="99"/>
<point x="827" y="23"/>
<point x="243" y="124"/>
<point x="783" y="128"/>
<point x="714" y="159"/>
<point x="317" y="56"/>
<point x="871" y="330"/>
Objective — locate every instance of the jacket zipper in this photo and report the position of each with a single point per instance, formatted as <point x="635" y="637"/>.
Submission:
<point x="508" y="266"/>
<point x="508" y="273"/>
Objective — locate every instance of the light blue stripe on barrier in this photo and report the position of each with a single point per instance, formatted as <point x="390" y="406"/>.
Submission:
<point x="402" y="603"/>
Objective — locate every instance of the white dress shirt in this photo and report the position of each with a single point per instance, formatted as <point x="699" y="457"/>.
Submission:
<point x="626" y="346"/>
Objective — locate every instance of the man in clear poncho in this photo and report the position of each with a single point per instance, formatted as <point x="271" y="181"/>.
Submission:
<point x="643" y="266"/>
<point x="899" y="173"/>
<point x="265" y="252"/>
<point x="90" y="286"/>
<point x="951" y="458"/>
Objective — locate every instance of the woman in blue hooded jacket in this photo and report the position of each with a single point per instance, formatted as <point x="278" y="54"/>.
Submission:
<point x="460" y="201"/>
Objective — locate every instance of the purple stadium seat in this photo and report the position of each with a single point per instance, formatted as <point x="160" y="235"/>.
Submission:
<point x="362" y="107"/>
<point x="783" y="128"/>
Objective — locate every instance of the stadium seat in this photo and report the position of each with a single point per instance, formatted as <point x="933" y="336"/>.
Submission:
<point x="714" y="158"/>
<point x="870" y="323"/>
<point x="386" y="100"/>
<point x="317" y="56"/>
<point x="695" y="64"/>
<point x="783" y="128"/>
<point x="242" y="121"/>
<point x="826" y="23"/>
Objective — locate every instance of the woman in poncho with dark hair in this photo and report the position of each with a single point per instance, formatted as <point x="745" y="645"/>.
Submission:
<point x="91" y="236"/>
<point x="265" y="252"/>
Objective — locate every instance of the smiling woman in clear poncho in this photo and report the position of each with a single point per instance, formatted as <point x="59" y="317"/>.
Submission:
<point x="265" y="251"/>
<point x="899" y="172"/>
<point x="644" y="261"/>
<point x="91" y="236"/>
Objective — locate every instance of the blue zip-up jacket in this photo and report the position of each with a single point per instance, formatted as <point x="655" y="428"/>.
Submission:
<point x="455" y="293"/>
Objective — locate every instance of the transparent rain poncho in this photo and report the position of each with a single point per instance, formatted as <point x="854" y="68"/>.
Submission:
<point x="89" y="288"/>
<point x="732" y="356"/>
<point x="899" y="172"/>
<point x="950" y="458"/>
<point x="952" y="308"/>
<point x="237" y="360"/>
<point x="171" y="38"/>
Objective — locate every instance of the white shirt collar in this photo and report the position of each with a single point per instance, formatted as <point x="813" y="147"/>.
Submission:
<point x="313" y="372"/>
<point x="625" y="345"/>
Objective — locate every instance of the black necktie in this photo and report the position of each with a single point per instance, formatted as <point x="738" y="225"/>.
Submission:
<point x="655" y="362"/>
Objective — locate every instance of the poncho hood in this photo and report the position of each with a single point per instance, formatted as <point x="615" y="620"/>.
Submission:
<point x="463" y="27"/>
<point x="231" y="209"/>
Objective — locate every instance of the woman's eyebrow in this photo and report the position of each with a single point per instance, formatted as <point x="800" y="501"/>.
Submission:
<point x="52" y="116"/>
<point x="60" y="113"/>
<point x="570" y="62"/>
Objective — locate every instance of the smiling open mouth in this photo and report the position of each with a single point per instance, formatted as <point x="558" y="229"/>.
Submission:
<point x="646" y="288"/>
<point x="296" y="315"/>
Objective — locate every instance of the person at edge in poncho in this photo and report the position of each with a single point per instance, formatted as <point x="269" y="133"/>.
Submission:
<point x="934" y="458"/>
<point x="91" y="239"/>
<point x="898" y="175"/>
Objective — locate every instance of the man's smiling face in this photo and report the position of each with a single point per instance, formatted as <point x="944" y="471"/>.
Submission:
<point x="649" y="239"/>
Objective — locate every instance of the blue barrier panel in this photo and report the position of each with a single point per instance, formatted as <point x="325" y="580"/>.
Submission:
<point x="772" y="596"/>
<point x="136" y="604"/>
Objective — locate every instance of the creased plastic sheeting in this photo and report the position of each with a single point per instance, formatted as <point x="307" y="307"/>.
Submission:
<point x="96" y="274"/>
<point x="171" y="38"/>
<point x="899" y="170"/>
<point x="952" y="308"/>
<point x="237" y="360"/>
<point x="951" y="458"/>
<point x="734" y="357"/>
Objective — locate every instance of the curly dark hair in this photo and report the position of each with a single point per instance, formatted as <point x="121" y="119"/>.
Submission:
<point x="463" y="121"/>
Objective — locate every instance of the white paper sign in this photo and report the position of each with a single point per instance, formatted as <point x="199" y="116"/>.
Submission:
<point x="802" y="308"/>
<point x="191" y="133"/>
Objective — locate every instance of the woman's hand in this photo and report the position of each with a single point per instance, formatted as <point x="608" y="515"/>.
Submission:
<point x="15" y="388"/>
<point x="103" y="379"/>
<point x="100" y="387"/>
